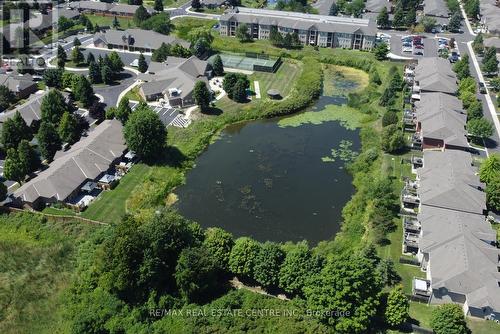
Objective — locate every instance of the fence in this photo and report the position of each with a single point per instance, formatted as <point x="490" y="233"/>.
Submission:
<point x="256" y="55"/>
<point x="270" y="69"/>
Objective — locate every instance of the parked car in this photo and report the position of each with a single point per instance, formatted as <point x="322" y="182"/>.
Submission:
<point x="453" y="57"/>
<point x="407" y="49"/>
<point x="419" y="52"/>
<point x="482" y="88"/>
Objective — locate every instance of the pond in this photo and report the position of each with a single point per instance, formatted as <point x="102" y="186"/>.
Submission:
<point x="274" y="182"/>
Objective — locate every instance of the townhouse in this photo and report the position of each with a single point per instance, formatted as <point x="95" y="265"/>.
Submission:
<point x="317" y="30"/>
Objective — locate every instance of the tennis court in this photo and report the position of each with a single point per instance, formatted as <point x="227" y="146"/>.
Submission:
<point x="257" y="63"/>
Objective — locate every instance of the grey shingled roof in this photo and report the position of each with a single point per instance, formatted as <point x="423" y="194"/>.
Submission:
<point x="301" y="20"/>
<point x="13" y="81"/>
<point x="175" y="72"/>
<point x="490" y="15"/>
<point x="436" y="8"/>
<point x="447" y="181"/>
<point x="442" y="117"/>
<point x="87" y="159"/>
<point x="146" y="39"/>
<point x="435" y="75"/>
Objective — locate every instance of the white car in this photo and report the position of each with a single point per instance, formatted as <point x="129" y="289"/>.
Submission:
<point x="407" y="49"/>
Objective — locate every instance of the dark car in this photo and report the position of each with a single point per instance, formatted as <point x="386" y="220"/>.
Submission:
<point x="482" y="88"/>
<point x="453" y="58"/>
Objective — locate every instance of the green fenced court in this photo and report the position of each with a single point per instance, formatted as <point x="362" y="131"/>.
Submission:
<point x="249" y="61"/>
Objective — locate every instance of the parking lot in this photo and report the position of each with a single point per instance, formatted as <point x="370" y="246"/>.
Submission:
<point x="168" y="115"/>
<point x="404" y="45"/>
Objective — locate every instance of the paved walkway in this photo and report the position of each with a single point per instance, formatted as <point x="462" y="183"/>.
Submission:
<point x="257" y="89"/>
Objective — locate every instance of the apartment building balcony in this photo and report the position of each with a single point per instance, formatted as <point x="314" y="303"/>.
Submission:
<point x="410" y="243"/>
<point x="421" y="288"/>
<point x="417" y="162"/>
<point x="411" y="225"/>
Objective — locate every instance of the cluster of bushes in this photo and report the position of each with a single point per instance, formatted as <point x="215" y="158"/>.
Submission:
<point x="404" y="15"/>
<point x="471" y="8"/>
<point x="477" y="126"/>
<point x="289" y="41"/>
<point x="236" y="85"/>
<point x="7" y="98"/>
<point x="489" y="173"/>
<point x="352" y="8"/>
<point x="80" y="86"/>
<point x="165" y="50"/>
<point x="169" y="262"/>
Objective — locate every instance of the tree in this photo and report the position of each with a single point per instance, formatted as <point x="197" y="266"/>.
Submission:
<point x="449" y="318"/>
<point x="161" y="54"/>
<point x="48" y="140"/>
<point x="381" y="51"/>
<point x="243" y="256"/>
<point x="217" y="66"/>
<point x="82" y="90"/>
<point x="106" y="74"/>
<point x="89" y="26"/>
<point x="200" y="32"/>
<point x="493" y="193"/>
<point x="141" y="15"/>
<point x="387" y="273"/>
<point x="490" y="66"/>
<point x="461" y="67"/>
<point x="240" y="91"/>
<point x="13" y="167"/>
<point x="196" y="4"/>
<point x="398" y="307"/>
<point x="475" y="110"/>
<point x="299" y="264"/>
<point x="275" y="37"/>
<point x="268" y="263"/>
<point x="28" y="157"/>
<point x="90" y="58"/>
<point x="200" y="47"/>
<point x="347" y="282"/>
<point x="68" y="129"/>
<point x="480" y="128"/>
<point x="6" y="97"/>
<point x="14" y="130"/>
<point x="398" y="20"/>
<point x="411" y="17"/>
<point x="143" y="65"/>
<point x="94" y="73"/>
<point x="242" y="33"/>
<point x="115" y="62"/>
<point x="490" y="168"/>
<point x="116" y="23"/>
<point x="123" y="111"/>
<point x="53" y="77"/>
<point x="64" y="23"/>
<point x="53" y="106"/>
<point x="76" y="42"/>
<point x="197" y="274"/>
<point x="160" y="23"/>
<point x="201" y="95"/>
<point x="230" y="82"/>
<point x="61" y="57"/>
<point x="144" y="133"/>
<point x="77" y="56"/>
<point x="428" y="23"/>
<point x="471" y="7"/>
<point x="3" y="192"/>
<point x="383" y="19"/>
<point x="478" y="43"/>
<point x="96" y="111"/>
<point x="158" y="5"/>
<point x="455" y="22"/>
<point x="389" y="118"/>
<point x="392" y="139"/>
<point x="219" y="243"/>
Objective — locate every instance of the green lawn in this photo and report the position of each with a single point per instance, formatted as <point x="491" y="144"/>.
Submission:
<point x="282" y="80"/>
<point x="58" y="211"/>
<point x="110" y="206"/>
<point x="133" y="95"/>
<point x="108" y="21"/>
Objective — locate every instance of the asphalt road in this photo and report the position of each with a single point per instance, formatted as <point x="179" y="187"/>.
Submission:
<point x="111" y="93"/>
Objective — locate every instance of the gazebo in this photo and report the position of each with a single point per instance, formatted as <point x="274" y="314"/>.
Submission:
<point x="274" y="94"/>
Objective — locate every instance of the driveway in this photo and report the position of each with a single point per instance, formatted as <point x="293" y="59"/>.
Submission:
<point x="111" y="93"/>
